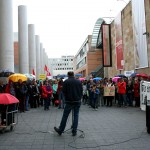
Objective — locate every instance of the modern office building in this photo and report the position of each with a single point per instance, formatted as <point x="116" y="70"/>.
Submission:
<point x="60" y="66"/>
<point x="89" y="58"/>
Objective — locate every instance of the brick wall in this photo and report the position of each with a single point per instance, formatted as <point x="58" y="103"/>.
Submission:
<point x="94" y="59"/>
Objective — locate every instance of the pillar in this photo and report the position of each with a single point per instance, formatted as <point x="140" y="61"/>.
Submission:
<point x="23" y="40"/>
<point x="6" y="35"/>
<point x="41" y="58"/>
<point x="37" y="43"/>
<point x="31" y="46"/>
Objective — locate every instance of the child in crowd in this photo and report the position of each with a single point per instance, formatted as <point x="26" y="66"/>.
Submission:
<point x="94" y="93"/>
<point x="85" y="97"/>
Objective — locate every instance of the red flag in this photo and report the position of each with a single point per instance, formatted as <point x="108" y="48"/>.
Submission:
<point x="45" y="68"/>
<point x="48" y="74"/>
<point x="33" y="72"/>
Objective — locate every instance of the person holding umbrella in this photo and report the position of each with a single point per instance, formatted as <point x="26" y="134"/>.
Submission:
<point x="21" y="90"/>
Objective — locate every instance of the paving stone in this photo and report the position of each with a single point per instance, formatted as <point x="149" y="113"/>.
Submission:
<point x="106" y="129"/>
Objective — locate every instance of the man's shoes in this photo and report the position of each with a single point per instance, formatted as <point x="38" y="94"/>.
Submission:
<point x="57" y="130"/>
<point x="74" y="133"/>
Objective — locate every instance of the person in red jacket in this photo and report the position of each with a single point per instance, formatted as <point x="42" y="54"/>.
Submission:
<point x="136" y="92"/>
<point x="122" y="93"/>
<point x="44" y="96"/>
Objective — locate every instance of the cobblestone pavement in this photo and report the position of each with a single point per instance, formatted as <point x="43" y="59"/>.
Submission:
<point x="109" y="128"/>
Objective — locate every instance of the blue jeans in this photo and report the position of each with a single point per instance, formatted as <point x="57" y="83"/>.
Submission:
<point x="122" y="99"/>
<point x="46" y="103"/>
<point x="75" y="116"/>
<point x="27" y="102"/>
<point x="61" y="99"/>
<point x="130" y="99"/>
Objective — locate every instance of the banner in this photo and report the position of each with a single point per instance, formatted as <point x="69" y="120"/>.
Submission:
<point x="119" y="45"/>
<point x="144" y="94"/>
<point x="42" y="76"/>
<point x="139" y="28"/>
<point x="106" y="40"/>
<point x="128" y="73"/>
<point x="109" y="91"/>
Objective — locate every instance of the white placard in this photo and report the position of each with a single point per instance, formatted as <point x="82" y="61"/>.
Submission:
<point x="144" y="94"/>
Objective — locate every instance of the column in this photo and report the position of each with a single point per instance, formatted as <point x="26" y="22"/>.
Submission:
<point x="41" y="58"/>
<point x="31" y="46"/>
<point x="6" y="35"/>
<point x="23" y="40"/>
<point x="44" y="61"/>
<point x="37" y="43"/>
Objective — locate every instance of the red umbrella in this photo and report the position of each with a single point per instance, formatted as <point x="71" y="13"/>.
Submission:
<point x="142" y="75"/>
<point x="7" y="99"/>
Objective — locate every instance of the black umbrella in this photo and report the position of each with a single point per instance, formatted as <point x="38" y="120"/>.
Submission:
<point x="121" y="75"/>
<point x="5" y="73"/>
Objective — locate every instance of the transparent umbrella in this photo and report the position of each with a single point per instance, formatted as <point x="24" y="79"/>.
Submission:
<point x="5" y="73"/>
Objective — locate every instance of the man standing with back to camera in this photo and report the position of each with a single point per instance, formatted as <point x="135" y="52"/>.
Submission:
<point x="72" y="90"/>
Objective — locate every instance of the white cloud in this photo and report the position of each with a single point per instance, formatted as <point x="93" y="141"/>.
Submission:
<point x="63" y="25"/>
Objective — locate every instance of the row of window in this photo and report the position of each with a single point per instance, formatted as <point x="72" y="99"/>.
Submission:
<point x="61" y="60"/>
<point x="67" y="59"/>
<point x="81" y="63"/>
<point x="68" y="64"/>
<point x="63" y="68"/>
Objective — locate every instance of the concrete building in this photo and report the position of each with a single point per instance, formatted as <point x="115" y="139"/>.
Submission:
<point x="60" y="66"/>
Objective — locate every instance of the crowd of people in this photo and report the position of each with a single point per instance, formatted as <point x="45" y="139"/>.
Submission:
<point x="36" y="93"/>
<point x="126" y="92"/>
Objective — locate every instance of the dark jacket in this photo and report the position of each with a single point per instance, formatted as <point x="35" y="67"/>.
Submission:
<point x="72" y="89"/>
<point x="2" y="89"/>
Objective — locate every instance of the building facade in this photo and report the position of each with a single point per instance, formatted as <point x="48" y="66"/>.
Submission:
<point x="129" y="42"/>
<point x="60" y="66"/>
<point x="89" y="57"/>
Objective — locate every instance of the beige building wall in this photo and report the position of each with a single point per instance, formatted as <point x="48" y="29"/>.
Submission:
<point x="147" y="17"/>
<point x="128" y="50"/>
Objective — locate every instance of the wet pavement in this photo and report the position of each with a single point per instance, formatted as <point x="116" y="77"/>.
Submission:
<point x="108" y="128"/>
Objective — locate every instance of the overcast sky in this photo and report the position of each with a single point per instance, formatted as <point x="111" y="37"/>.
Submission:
<point x="63" y="25"/>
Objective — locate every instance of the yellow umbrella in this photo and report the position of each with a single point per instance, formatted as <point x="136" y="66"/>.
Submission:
<point x="15" y="77"/>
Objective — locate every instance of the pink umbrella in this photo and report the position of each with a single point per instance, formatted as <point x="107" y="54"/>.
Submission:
<point x="81" y="79"/>
<point x="115" y="79"/>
